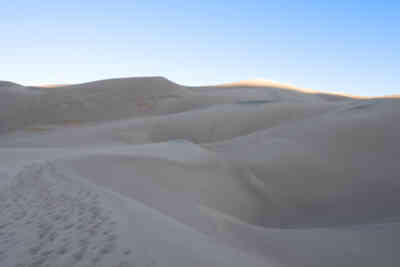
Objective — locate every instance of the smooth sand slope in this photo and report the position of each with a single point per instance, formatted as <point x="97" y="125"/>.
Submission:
<point x="337" y="168"/>
<point x="145" y="172"/>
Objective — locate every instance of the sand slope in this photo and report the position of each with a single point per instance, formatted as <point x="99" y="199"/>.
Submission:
<point x="146" y="172"/>
<point x="340" y="167"/>
<point x="51" y="218"/>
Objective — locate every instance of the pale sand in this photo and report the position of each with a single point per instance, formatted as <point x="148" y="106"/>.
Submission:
<point x="145" y="172"/>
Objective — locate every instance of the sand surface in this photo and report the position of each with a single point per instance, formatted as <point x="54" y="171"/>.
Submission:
<point x="146" y="172"/>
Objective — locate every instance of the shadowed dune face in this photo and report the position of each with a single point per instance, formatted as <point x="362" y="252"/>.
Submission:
<point x="90" y="102"/>
<point x="6" y="84"/>
<point x="338" y="168"/>
<point x="222" y="123"/>
<point x="212" y="184"/>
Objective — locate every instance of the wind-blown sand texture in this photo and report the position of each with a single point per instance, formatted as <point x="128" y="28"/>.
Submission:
<point x="146" y="172"/>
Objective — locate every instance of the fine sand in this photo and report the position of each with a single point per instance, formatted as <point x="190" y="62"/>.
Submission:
<point x="146" y="172"/>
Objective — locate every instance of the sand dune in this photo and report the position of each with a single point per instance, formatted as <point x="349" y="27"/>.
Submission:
<point x="347" y="160"/>
<point x="86" y="102"/>
<point x="124" y="98"/>
<point x="267" y="84"/>
<point x="146" y="172"/>
<point x="228" y="121"/>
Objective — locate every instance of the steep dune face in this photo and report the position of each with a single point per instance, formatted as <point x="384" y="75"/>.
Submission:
<point x="205" y="181"/>
<point x="95" y="101"/>
<point x="338" y="168"/>
<point x="15" y="103"/>
<point x="109" y="99"/>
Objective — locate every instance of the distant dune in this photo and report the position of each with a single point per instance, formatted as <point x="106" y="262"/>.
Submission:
<point x="259" y="83"/>
<point x="52" y="85"/>
<point x="146" y="172"/>
<point x="272" y="84"/>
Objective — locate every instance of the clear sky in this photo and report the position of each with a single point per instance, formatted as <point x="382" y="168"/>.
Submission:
<point x="342" y="46"/>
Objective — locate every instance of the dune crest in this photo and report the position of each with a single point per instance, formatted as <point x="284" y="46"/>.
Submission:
<point x="52" y="85"/>
<point x="259" y="82"/>
<point x="264" y="83"/>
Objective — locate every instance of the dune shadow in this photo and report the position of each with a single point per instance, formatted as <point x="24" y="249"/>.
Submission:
<point x="254" y="102"/>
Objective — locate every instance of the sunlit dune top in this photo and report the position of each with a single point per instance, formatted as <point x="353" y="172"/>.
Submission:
<point x="52" y="85"/>
<point x="391" y="96"/>
<point x="251" y="83"/>
<point x="259" y="83"/>
<point x="273" y="84"/>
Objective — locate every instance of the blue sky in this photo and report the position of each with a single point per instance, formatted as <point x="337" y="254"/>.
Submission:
<point x="341" y="46"/>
